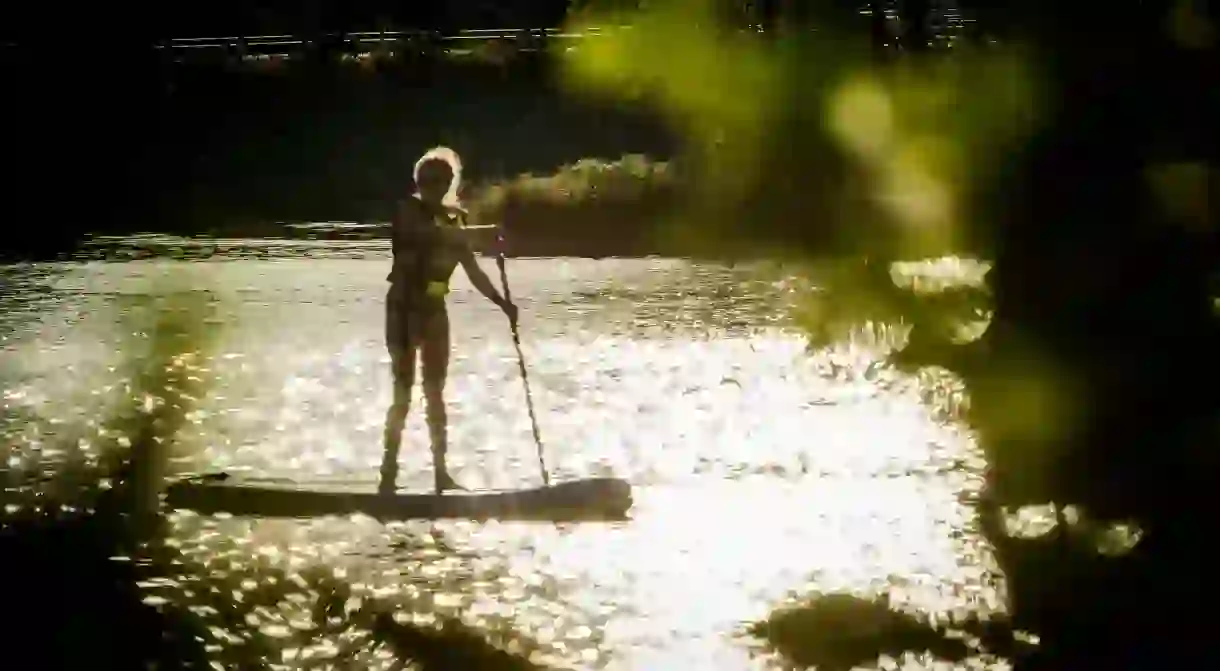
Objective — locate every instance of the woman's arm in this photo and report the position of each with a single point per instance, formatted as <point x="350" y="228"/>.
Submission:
<point x="404" y="223"/>
<point x="479" y="279"/>
<point x="470" y="264"/>
<point x="482" y="282"/>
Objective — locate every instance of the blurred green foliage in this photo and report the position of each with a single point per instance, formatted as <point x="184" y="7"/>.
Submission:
<point x="828" y="154"/>
<point x="809" y="137"/>
<point x="1073" y="158"/>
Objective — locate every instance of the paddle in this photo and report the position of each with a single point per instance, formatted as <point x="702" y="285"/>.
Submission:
<point x="529" y="401"/>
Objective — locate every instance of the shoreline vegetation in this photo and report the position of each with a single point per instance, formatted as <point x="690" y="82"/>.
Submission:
<point x="593" y="208"/>
<point x="590" y="208"/>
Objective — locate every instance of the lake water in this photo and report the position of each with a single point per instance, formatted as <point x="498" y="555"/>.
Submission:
<point x="762" y="472"/>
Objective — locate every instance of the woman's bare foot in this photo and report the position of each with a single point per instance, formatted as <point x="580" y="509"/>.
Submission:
<point x="445" y="482"/>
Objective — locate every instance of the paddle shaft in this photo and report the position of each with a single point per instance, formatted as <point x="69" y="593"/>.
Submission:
<point x="529" y="400"/>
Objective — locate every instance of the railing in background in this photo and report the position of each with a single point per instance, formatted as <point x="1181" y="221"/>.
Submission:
<point x="945" y="27"/>
<point x="362" y="42"/>
<point x="353" y="46"/>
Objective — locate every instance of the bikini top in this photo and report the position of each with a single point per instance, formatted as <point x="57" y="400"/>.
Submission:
<point x="425" y="251"/>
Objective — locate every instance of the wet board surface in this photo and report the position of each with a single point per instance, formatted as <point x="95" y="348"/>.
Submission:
<point x="589" y="499"/>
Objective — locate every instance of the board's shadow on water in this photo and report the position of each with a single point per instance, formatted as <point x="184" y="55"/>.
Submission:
<point x="98" y="571"/>
<point x="86" y="581"/>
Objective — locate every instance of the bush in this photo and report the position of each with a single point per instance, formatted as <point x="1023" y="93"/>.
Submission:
<point x="593" y="207"/>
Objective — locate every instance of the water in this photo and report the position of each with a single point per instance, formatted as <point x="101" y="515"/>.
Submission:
<point x="761" y="473"/>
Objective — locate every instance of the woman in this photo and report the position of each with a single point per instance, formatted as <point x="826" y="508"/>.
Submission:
<point x="428" y="246"/>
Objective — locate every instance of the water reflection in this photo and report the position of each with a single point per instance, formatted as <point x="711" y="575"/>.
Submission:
<point x="762" y="474"/>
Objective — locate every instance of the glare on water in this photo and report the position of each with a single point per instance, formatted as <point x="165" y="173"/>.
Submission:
<point x="762" y="473"/>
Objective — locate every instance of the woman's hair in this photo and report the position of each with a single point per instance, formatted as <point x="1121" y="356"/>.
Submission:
<point x="450" y="157"/>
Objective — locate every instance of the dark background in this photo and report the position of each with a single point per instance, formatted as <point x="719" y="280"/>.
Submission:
<point x="108" y="134"/>
<point x="206" y="18"/>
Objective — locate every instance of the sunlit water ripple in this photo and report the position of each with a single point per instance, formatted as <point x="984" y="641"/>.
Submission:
<point x="761" y="472"/>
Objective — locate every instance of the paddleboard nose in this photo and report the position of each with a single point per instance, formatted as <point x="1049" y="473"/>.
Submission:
<point x="609" y="494"/>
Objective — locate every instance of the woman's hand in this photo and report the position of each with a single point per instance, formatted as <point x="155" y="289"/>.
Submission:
<point x="457" y="213"/>
<point x="510" y="311"/>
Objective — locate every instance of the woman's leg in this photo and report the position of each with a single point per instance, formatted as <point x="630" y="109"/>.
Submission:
<point x="435" y="362"/>
<point x="402" y="368"/>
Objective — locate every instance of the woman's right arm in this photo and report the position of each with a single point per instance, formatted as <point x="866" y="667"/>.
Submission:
<point x="404" y="224"/>
<point x="400" y="227"/>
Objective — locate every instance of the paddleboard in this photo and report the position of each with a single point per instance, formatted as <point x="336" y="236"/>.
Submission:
<point x="587" y="499"/>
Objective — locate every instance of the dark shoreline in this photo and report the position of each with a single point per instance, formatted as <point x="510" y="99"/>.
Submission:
<point x="109" y="147"/>
<point x="588" y="237"/>
<point x="293" y="242"/>
<point x="202" y="247"/>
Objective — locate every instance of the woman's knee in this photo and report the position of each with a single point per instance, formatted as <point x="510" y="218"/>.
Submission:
<point x="434" y="362"/>
<point x="434" y="389"/>
<point x="402" y="368"/>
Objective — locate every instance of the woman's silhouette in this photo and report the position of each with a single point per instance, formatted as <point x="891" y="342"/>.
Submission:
<point x="428" y="246"/>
